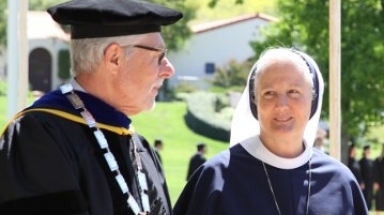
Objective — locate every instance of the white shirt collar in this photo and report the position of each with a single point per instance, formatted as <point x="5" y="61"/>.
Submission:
<point x="76" y="85"/>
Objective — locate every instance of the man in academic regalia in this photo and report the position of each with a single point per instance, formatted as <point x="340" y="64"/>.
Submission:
<point x="74" y="151"/>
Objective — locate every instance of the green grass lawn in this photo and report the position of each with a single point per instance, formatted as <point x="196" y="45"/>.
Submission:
<point x="3" y="111"/>
<point x="166" y="122"/>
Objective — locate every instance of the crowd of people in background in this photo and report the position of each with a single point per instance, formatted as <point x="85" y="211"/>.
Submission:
<point x="369" y="173"/>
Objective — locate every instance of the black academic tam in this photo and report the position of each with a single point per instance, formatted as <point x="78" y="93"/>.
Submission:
<point x="107" y="18"/>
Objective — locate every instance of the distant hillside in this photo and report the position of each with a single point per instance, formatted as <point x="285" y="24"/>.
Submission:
<point x="228" y="8"/>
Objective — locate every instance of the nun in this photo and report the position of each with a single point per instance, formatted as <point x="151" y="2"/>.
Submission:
<point x="272" y="167"/>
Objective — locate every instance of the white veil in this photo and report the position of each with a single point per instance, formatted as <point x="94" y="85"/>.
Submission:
<point x="245" y="126"/>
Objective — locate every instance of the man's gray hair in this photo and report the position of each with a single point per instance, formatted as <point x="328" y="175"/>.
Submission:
<point x="86" y="54"/>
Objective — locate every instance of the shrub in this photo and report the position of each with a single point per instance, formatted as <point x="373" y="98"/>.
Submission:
<point x="64" y="65"/>
<point x="232" y="75"/>
<point x="209" y="114"/>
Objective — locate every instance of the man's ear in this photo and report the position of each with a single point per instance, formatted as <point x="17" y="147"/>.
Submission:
<point x="113" y="56"/>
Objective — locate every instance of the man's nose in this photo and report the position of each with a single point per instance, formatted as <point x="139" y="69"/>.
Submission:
<point x="167" y="70"/>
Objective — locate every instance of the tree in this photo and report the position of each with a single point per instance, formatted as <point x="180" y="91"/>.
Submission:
<point x="233" y="75"/>
<point x="213" y="3"/>
<point x="42" y="5"/>
<point x="223" y="9"/>
<point x="304" y="24"/>
<point x="175" y="34"/>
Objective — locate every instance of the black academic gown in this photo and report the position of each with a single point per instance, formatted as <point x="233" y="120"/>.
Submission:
<point x="379" y="178"/>
<point x="158" y="155"/>
<point x="51" y="163"/>
<point x="194" y="163"/>
<point x="354" y="166"/>
<point x="367" y="172"/>
<point x="234" y="182"/>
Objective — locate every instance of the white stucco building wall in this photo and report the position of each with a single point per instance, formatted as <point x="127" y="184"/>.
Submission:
<point x="218" y="43"/>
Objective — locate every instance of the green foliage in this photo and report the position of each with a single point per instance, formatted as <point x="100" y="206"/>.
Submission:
<point x="305" y="24"/>
<point x="216" y="89"/>
<point x="209" y="114"/>
<point x="232" y="76"/>
<point x="183" y="87"/>
<point x="3" y="112"/>
<point x="175" y="34"/>
<point x="179" y="92"/>
<point x="42" y="5"/>
<point x="221" y="102"/>
<point x="64" y="65"/>
<point x="213" y="3"/>
<point x="3" y="88"/>
<point x="209" y="10"/>
<point x="3" y="21"/>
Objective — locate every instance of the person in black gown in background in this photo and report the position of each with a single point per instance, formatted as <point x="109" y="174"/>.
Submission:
<point x="353" y="163"/>
<point x="367" y="169"/>
<point x="378" y="181"/>
<point x="158" y="146"/>
<point x="197" y="159"/>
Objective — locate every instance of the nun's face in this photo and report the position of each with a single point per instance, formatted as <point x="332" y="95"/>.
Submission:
<point x="284" y="101"/>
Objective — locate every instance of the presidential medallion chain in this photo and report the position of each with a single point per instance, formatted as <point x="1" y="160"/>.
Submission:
<point x="141" y="178"/>
<point x="273" y="192"/>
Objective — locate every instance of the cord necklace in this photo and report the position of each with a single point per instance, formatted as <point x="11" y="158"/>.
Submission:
<point x="273" y="192"/>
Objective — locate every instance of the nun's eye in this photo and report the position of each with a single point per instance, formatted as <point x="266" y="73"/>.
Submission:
<point x="269" y="94"/>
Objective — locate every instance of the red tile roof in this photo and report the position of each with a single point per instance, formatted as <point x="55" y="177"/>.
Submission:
<point x="208" y="26"/>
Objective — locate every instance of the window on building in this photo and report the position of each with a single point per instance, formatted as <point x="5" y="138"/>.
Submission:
<point x="209" y="68"/>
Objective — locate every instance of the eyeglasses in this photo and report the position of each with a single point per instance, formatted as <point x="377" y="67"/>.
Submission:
<point x="162" y="51"/>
